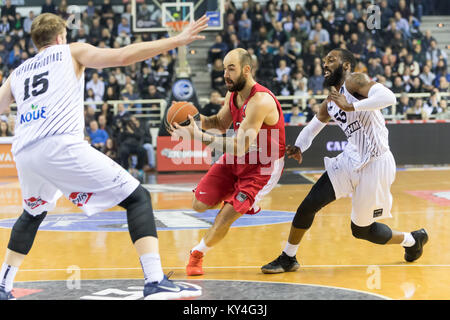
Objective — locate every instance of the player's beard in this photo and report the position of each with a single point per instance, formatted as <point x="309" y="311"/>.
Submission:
<point x="237" y="85"/>
<point x="335" y="77"/>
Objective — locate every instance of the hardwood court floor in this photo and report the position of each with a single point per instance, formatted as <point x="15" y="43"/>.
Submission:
<point x="329" y="255"/>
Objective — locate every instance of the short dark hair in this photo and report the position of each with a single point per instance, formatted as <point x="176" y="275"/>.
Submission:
<point x="245" y="58"/>
<point x="347" y="56"/>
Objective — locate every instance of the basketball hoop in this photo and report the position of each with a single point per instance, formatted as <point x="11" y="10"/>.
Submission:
<point x="176" y="27"/>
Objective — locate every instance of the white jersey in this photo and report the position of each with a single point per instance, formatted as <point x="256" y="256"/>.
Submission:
<point x="49" y="97"/>
<point x="365" y="130"/>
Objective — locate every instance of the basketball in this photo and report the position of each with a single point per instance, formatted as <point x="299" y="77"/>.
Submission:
<point x="179" y="112"/>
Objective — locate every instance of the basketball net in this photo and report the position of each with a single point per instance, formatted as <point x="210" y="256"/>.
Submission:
<point x="182" y="68"/>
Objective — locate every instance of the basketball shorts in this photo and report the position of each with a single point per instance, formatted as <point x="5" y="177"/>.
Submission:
<point x="369" y="187"/>
<point x="242" y="186"/>
<point x="65" y="165"/>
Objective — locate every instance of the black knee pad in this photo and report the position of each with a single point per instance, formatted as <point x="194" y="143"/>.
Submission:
<point x="24" y="232"/>
<point x="140" y="218"/>
<point x="321" y="194"/>
<point x="378" y="233"/>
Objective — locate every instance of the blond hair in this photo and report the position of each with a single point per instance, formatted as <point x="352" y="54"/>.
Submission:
<point x="45" y="28"/>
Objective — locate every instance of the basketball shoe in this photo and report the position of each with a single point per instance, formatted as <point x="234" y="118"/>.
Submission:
<point x="283" y="263"/>
<point x="194" y="267"/>
<point x="6" y="295"/>
<point x="413" y="253"/>
<point x="170" y="290"/>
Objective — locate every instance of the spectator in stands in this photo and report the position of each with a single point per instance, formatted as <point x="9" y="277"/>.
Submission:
<point x="256" y="14"/>
<point x="130" y="143"/>
<point x="409" y="63"/>
<point x="398" y="86"/>
<point x="110" y="149"/>
<point x="102" y="120"/>
<point x="426" y="40"/>
<point x="27" y="22"/>
<point x="295" y="117"/>
<point x="9" y="11"/>
<point x="282" y="69"/>
<point x="4" y="129"/>
<point x="387" y="14"/>
<point x="443" y="84"/>
<point x="151" y="93"/>
<point x="397" y="42"/>
<point x="217" y="50"/>
<point x="124" y="26"/>
<point x="98" y="87"/>
<point x="98" y="136"/>
<point x="416" y="110"/>
<point x="244" y="29"/>
<point x="128" y="93"/>
<point x="427" y="78"/>
<point x="403" y="105"/>
<point x="278" y="33"/>
<point x="434" y="53"/>
<point x="48" y="6"/>
<point x="402" y="24"/>
<point x="374" y="68"/>
<point x="355" y="46"/>
<point x="293" y="48"/>
<point x="319" y="35"/>
<point x="416" y="86"/>
<point x="284" y="87"/>
<point x="419" y="55"/>
<point x="315" y="83"/>
<point x="214" y="104"/>
<point x="445" y="113"/>
<point x="308" y="59"/>
<point x="146" y="142"/>
<point x="217" y="79"/>
<point x="5" y="26"/>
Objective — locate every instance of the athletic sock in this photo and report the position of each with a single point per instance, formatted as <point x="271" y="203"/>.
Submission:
<point x="151" y="265"/>
<point x="202" y="247"/>
<point x="408" y="240"/>
<point x="7" y="276"/>
<point x="291" y="249"/>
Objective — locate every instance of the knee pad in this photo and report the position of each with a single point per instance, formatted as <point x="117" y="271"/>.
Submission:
<point x="24" y="232"/>
<point x="140" y="218"/>
<point x="321" y="194"/>
<point x="378" y="233"/>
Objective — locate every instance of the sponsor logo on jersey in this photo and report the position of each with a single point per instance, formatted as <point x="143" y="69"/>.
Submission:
<point x="80" y="198"/>
<point x="352" y="127"/>
<point x="33" y="202"/>
<point x="36" y="113"/>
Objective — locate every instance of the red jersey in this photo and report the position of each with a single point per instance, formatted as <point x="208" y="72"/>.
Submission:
<point x="270" y="144"/>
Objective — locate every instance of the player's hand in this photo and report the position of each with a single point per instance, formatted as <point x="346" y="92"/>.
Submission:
<point x="294" y="152"/>
<point x="191" y="131"/>
<point x="340" y="100"/>
<point x="191" y="32"/>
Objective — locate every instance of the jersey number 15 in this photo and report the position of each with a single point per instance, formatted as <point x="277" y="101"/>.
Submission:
<point x="39" y="85"/>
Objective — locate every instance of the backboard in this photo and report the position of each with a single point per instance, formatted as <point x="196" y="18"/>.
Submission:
<point x="152" y="15"/>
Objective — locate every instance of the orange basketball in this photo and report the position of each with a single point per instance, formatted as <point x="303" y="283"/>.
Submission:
<point x="179" y="111"/>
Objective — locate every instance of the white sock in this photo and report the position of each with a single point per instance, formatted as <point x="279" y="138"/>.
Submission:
<point x="202" y="247"/>
<point x="151" y="265"/>
<point x="408" y="240"/>
<point x="291" y="249"/>
<point x="7" y="276"/>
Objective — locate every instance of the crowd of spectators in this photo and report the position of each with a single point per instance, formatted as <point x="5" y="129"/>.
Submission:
<point x="288" y="41"/>
<point x="123" y="136"/>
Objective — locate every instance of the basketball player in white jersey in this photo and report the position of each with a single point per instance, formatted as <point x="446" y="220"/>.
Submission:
<point x="365" y="169"/>
<point x="53" y="159"/>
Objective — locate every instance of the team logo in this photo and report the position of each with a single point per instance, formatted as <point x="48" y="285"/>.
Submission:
<point x="33" y="202"/>
<point x="36" y="113"/>
<point x="377" y="213"/>
<point x="80" y="198"/>
<point x="183" y="89"/>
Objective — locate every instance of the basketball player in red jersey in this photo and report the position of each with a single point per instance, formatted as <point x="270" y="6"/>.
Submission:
<point x="253" y="157"/>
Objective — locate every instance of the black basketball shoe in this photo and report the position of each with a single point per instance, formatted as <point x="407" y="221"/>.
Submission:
<point x="283" y="263"/>
<point x="413" y="253"/>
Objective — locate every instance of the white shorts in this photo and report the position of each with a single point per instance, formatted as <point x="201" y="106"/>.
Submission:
<point x="369" y="187"/>
<point x="65" y="165"/>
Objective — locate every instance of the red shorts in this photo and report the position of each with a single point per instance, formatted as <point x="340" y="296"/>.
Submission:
<point x="242" y="186"/>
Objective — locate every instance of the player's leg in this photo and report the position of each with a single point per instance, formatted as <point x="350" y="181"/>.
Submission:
<point x="372" y="200"/>
<point x="321" y="194"/>
<point x="94" y="183"/>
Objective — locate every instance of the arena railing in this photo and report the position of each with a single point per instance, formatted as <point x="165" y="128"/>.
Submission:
<point x="286" y="103"/>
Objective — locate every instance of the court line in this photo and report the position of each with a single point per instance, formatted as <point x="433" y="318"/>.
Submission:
<point x="253" y="267"/>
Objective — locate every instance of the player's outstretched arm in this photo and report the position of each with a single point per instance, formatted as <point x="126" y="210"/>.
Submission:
<point x="6" y="97"/>
<point x="309" y="132"/>
<point x="374" y="96"/>
<point x="92" y="57"/>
